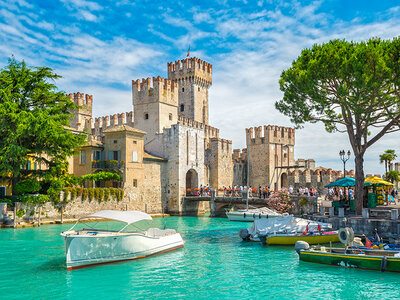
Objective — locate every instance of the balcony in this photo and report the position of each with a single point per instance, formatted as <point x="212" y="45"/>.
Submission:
<point x="107" y="164"/>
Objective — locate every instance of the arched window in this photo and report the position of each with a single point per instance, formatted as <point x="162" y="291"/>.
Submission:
<point x="146" y="116"/>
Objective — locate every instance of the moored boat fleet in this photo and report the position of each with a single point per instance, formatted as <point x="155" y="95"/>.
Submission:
<point x="93" y="246"/>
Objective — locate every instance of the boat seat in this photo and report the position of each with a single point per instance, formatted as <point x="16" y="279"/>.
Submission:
<point x="157" y="232"/>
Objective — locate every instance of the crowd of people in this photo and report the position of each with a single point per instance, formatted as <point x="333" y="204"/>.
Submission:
<point x="262" y="192"/>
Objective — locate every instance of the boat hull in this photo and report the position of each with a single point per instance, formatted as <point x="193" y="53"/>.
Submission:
<point x="85" y="251"/>
<point x="291" y="240"/>
<point x="351" y="260"/>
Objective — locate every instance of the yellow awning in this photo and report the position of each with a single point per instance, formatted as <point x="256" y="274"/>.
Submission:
<point x="377" y="180"/>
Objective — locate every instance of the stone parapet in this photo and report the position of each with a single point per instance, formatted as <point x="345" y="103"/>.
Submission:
<point x="153" y="90"/>
<point x="190" y="69"/>
<point x="271" y="134"/>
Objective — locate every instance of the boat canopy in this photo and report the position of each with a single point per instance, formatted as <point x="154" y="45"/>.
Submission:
<point x="128" y="216"/>
<point x="285" y="224"/>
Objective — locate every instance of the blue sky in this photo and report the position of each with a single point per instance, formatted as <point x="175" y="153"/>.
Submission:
<point x="100" y="46"/>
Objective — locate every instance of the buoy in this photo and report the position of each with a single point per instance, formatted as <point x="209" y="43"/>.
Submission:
<point x="304" y="233"/>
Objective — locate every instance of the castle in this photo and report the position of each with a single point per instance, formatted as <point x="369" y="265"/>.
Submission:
<point x="165" y="147"/>
<point x="272" y="163"/>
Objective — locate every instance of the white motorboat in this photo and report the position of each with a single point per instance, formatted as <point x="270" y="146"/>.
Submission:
<point x="88" y="247"/>
<point x="282" y="225"/>
<point x="251" y="214"/>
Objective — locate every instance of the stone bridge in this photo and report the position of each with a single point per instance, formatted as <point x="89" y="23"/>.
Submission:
<point x="218" y="204"/>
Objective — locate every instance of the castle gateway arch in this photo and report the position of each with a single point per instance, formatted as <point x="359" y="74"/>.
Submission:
<point x="192" y="180"/>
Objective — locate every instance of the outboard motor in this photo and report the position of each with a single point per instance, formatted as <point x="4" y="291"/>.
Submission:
<point x="244" y="234"/>
<point x="301" y="245"/>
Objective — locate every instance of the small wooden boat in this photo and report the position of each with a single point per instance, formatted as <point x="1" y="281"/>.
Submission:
<point x="291" y="239"/>
<point x="379" y="260"/>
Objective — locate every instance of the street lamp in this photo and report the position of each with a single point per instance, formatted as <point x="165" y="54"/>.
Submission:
<point x="344" y="159"/>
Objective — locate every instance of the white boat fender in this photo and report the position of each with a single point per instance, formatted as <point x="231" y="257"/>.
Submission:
<point x="244" y="234"/>
<point x="383" y="264"/>
<point x="301" y="245"/>
<point x="346" y="235"/>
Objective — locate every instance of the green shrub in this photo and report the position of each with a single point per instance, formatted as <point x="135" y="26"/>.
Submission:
<point x="120" y="194"/>
<point x="303" y="201"/>
<point x="27" y="186"/>
<point x="54" y="190"/>
<point x="73" y="193"/>
<point x="70" y="180"/>
<point x="85" y="194"/>
<point x="20" y="213"/>
<point x="106" y="194"/>
<point x="91" y="194"/>
<point x="79" y="191"/>
<point x="101" y="176"/>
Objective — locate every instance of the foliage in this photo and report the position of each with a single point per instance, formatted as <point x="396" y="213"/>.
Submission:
<point x="79" y="191"/>
<point x="120" y="194"/>
<point x="33" y="120"/>
<point x="30" y="185"/>
<point x="303" y="201"/>
<point x="71" y="180"/>
<point x="38" y="199"/>
<point x="54" y="191"/>
<point x="280" y="201"/>
<point x="106" y="194"/>
<point x="350" y="87"/>
<point x="85" y="194"/>
<point x="387" y="157"/>
<point x="102" y="176"/>
<point x="393" y="176"/>
<point x="20" y="213"/>
<point x="91" y="194"/>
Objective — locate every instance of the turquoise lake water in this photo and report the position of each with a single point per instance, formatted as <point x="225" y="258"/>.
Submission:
<point x="214" y="263"/>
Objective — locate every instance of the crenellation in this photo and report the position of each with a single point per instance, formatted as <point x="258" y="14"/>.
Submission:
<point x="154" y="90"/>
<point x="271" y="134"/>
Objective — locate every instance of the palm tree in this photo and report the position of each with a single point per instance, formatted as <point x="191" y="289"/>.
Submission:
<point x="387" y="157"/>
<point x="383" y="158"/>
<point x="391" y="157"/>
<point x="392" y="176"/>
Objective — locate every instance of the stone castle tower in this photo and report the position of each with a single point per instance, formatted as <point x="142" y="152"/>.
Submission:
<point x="155" y="105"/>
<point x="194" y="77"/>
<point x="83" y="115"/>
<point x="271" y="152"/>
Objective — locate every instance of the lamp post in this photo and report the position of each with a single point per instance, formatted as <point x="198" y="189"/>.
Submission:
<point x="343" y="157"/>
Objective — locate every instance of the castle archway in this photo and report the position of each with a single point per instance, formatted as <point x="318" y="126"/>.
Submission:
<point x="192" y="181"/>
<point x="284" y="181"/>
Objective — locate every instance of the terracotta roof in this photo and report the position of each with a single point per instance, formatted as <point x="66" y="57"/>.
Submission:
<point x="148" y="156"/>
<point x="121" y="128"/>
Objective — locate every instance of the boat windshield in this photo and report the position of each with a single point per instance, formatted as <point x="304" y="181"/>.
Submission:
<point x="110" y="225"/>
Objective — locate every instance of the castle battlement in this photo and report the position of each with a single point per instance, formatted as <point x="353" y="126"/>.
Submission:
<point x="190" y="68"/>
<point x="271" y="134"/>
<point x="82" y="99"/>
<point x="104" y="122"/>
<point x="153" y="90"/>
<point x="190" y="123"/>
<point x="209" y="131"/>
<point x="222" y="144"/>
<point x="239" y="156"/>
